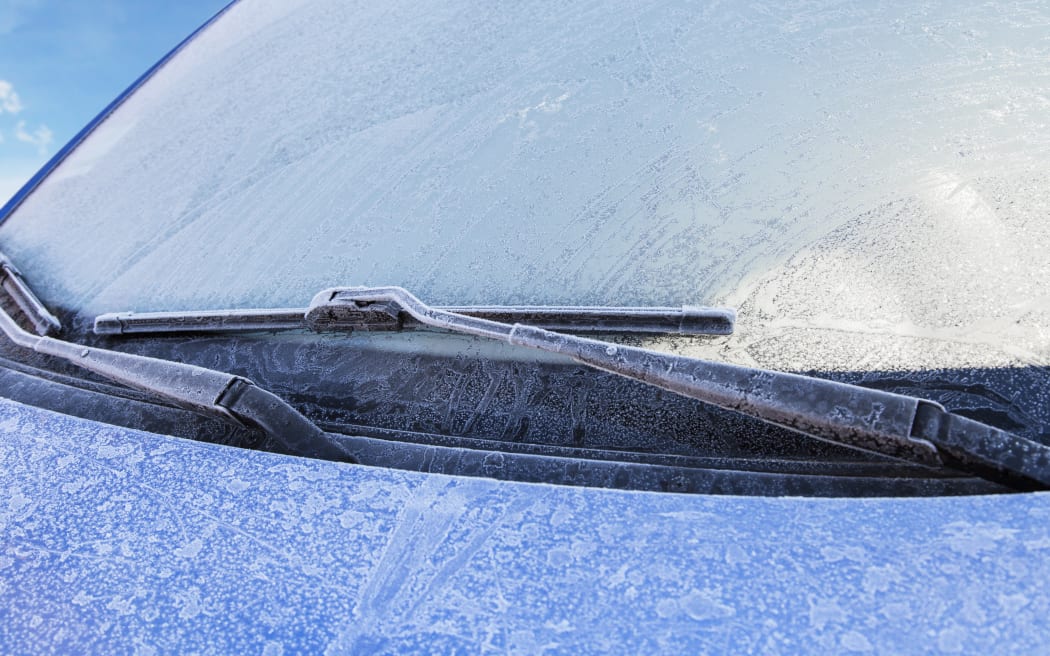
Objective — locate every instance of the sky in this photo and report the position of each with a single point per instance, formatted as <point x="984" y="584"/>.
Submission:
<point x="62" y="61"/>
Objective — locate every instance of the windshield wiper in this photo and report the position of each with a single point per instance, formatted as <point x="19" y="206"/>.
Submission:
<point x="904" y="427"/>
<point x="11" y="281"/>
<point x="685" y="320"/>
<point x="211" y="393"/>
<point x="896" y="425"/>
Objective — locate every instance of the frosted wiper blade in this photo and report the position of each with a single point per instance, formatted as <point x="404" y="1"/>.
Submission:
<point x="211" y="393"/>
<point x="896" y="425"/>
<point x="11" y="281"/>
<point x="200" y="321"/>
<point x="685" y="320"/>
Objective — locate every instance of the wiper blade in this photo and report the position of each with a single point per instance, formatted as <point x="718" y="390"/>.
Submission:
<point x="207" y="392"/>
<point x="685" y="320"/>
<point x="11" y="281"/>
<point x="203" y="321"/>
<point x="896" y="425"/>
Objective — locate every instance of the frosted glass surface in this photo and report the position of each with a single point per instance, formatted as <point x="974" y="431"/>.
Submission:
<point x="875" y="169"/>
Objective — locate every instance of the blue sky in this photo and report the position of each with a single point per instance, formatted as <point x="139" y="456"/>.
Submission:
<point x="61" y="61"/>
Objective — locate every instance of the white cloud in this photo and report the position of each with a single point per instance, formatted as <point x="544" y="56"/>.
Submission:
<point x="9" y="100"/>
<point x="40" y="137"/>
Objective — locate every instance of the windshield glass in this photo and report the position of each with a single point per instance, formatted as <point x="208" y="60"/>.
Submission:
<point x="829" y="171"/>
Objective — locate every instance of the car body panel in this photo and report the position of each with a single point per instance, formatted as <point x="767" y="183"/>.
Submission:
<point x="119" y="540"/>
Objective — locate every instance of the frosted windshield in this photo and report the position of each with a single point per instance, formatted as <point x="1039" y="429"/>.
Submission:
<point x="826" y="168"/>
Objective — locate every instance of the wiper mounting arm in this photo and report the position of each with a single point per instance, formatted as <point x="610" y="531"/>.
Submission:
<point x="897" y="425"/>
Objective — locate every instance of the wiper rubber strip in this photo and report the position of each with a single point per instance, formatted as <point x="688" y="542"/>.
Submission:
<point x="686" y="320"/>
<point x="896" y="425"/>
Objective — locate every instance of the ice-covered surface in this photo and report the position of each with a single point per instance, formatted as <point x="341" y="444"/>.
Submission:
<point x="119" y="541"/>
<point x="867" y="182"/>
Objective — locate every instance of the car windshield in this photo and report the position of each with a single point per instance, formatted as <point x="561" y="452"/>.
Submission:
<point x="866" y="185"/>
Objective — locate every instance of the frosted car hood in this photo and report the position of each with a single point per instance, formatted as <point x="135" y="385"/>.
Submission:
<point x="114" y="539"/>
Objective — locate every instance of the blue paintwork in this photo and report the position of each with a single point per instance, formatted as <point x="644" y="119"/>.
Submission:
<point x="117" y="540"/>
<point x="12" y="203"/>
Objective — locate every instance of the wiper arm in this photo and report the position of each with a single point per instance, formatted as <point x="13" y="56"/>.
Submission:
<point x="207" y="392"/>
<point x="685" y="320"/>
<point x="896" y="425"/>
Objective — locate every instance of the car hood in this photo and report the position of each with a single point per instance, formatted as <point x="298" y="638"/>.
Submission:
<point x="113" y="538"/>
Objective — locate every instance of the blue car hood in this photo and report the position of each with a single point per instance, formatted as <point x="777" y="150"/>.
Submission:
<point x="119" y="540"/>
